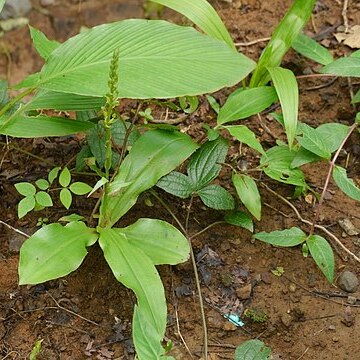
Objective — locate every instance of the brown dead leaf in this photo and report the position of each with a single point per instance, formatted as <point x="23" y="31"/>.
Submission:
<point x="351" y="39"/>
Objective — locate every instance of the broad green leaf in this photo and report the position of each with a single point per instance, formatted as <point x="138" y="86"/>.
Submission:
<point x="246" y="102"/>
<point x="26" y="205"/>
<point x="43" y="199"/>
<point x="54" y="251"/>
<point x="356" y="54"/>
<point x="176" y="184"/>
<point x="42" y="184"/>
<point x="345" y="66"/>
<point x="66" y="198"/>
<point x="53" y="174"/>
<point x="41" y="126"/>
<point x="147" y="51"/>
<point x="65" y="177"/>
<point x="346" y="184"/>
<point x="287" y="89"/>
<point x="277" y="164"/>
<point x="136" y="271"/>
<point x="312" y="141"/>
<point x="145" y="337"/>
<point x="46" y="99"/>
<point x="285" y="238"/>
<point x="203" y="15"/>
<point x="43" y="45"/>
<point x="4" y="94"/>
<point x="311" y="49"/>
<point x="80" y="188"/>
<point x="99" y="184"/>
<point x="323" y="255"/>
<point x="243" y="134"/>
<point x="332" y="134"/>
<point x="25" y="189"/>
<point x="240" y="218"/>
<point x="154" y="155"/>
<point x="205" y="165"/>
<point x="189" y="104"/>
<point x="303" y="157"/>
<point x="216" y="197"/>
<point x="2" y="3"/>
<point x="356" y="98"/>
<point x="252" y="350"/>
<point x="160" y="241"/>
<point x="248" y="193"/>
<point x="281" y="40"/>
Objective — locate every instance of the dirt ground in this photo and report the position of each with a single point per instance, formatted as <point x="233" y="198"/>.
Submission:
<point x="87" y="315"/>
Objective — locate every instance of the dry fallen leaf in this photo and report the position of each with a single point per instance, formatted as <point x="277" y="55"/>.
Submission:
<point x="351" y="39"/>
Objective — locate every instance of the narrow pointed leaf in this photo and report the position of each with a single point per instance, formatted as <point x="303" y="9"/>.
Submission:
<point x="203" y="15"/>
<point x="65" y="177"/>
<point x="154" y="155"/>
<point x="281" y="40"/>
<point x="287" y="89"/>
<point x="160" y="241"/>
<point x="135" y="270"/>
<point x="240" y="218"/>
<point x="205" y="165"/>
<point x="248" y="193"/>
<point x="147" y="51"/>
<point x="66" y="198"/>
<point x="2" y="3"/>
<point x="42" y="126"/>
<point x="54" y="251"/>
<point x="246" y="102"/>
<point x="345" y="66"/>
<point x="346" y="184"/>
<point x="216" y="197"/>
<point x="356" y="98"/>
<point x="285" y="238"/>
<point x="176" y="184"/>
<point x="323" y="255"/>
<point x="243" y="134"/>
<point x="311" y="49"/>
<point x="43" y="45"/>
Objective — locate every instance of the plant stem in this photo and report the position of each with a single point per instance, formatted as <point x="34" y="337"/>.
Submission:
<point x="328" y="177"/>
<point x="16" y="99"/>
<point x="196" y="274"/>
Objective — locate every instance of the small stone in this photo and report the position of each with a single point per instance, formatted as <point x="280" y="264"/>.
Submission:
<point x="292" y="288"/>
<point x="351" y="300"/>
<point x="349" y="227"/>
<point x="332" y="327"/>
<point x="286" y="319"/>
<point x="228" y="326"/>
<point x="244" y="292"/>
<point x="348" y="281"/>
<point x="348" y="317"/>
<point x="335" y="339"/>
<point x="266" y="278"/>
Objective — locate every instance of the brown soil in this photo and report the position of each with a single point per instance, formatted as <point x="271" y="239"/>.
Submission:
<point x="87" y="315"/>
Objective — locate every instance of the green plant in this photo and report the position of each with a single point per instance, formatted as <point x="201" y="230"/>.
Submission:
<point x="252" y="350"/>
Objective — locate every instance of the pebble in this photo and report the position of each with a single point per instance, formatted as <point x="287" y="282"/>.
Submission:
<point x="266" y="278"/>
<point x="15" y="242"/>
<point x="349" y="227"/>
<point x="244" y="292"/>
<point x="15" y="9"/>
<point x="351" y="300"/>
<point x="286" y="319"/>
<point x="348" y="281"/>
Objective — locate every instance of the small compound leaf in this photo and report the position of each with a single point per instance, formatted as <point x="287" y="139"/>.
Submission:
<point x="65" y="177"/>
<point x="248" y="193"/>
<point x="311" y="49"/>
<point x="252" y="350"/>
<point x="25" y="189"/>
<point x="53" y="174"/>
<point x="42" y="184"/>
<point x="176" y="184"/>
<point x="80" y="188"/>
<point x="285" y="238"/>
<point x="239" y="218"/>
<point x="66" y="198"/>
<point x="312" y="141"/>
<point x="204" y="166"/>
<point x="216" y="197"/>
<point x="43" y="199"/>
<point x="277" y="165"/>
<point x="54" y="251"/>
<point x="323" y="255"/>
<point x="346" y="184"/>
<point x="244" y="103"/>
<point x="243" y="134"/>
<point x="160" y="241"/>
<point x="287" y="89"/>
<point x="26" y="205"/>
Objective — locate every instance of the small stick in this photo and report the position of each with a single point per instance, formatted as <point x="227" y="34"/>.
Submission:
<point x="253" y="42"/>
<point x="14" y="229"/>
<point x="344" y="15"/>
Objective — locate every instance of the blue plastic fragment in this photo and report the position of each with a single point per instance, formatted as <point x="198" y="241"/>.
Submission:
<point x="234" y="319"/>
